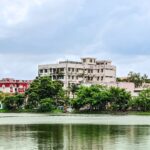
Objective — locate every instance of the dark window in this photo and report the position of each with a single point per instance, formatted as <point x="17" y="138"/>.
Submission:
<point x="62" y="69"/>
<point x="41" y="71"/>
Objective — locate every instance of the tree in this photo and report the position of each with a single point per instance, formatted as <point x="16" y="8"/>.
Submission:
<point x="135" y="78"/>
<point x="141" y="102"/>
<point x="46" y="105"/>
<point x="43" y="88"/>
<point x="14" y="102"/>
<point x="73" y="88"/>
<point x="94" y="96"/>
<point x="2" y="96"/>
<point x="118" y="99"/>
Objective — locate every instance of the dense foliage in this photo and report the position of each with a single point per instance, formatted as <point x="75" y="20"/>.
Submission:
<point x="46" y="105"/>
<point x="141" y="102"/>
<point x="99" y="98"/>
<point x="42" y="90"/>
<point x="14" y="102"/>
<point x="45" y="95"/>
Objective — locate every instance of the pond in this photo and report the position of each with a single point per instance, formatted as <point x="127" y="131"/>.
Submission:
<point x="74" y="132"/>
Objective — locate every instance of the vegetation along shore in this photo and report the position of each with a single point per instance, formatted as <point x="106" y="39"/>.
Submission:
<point x="45" y="95"/>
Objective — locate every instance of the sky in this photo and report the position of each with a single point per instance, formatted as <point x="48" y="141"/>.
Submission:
<point x="36" y="32"/>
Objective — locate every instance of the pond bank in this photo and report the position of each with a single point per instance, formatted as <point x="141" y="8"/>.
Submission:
<point x="93" y="119"/>
<point x="59" y="112"/>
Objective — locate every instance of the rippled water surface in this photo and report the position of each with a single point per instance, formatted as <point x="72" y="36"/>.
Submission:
<point x="74" y="132"/>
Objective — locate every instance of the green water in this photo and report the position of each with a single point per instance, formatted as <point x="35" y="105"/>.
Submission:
<point x="69" y="135"/>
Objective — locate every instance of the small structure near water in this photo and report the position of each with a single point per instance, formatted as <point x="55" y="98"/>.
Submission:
<point x="1" y="105"/>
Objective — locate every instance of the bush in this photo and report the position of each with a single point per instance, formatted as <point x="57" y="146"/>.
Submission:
<point x="46" y="105"/>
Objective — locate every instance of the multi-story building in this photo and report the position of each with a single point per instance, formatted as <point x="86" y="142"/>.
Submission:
<point x="88" y="70"/>
<point x="8" y="85"/>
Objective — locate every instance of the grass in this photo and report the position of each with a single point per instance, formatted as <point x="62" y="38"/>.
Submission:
<point x="58" y="112"/>
<point x="139" y="113"/>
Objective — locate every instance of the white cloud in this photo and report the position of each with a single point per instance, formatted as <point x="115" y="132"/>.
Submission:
<point x="63" y="29"/>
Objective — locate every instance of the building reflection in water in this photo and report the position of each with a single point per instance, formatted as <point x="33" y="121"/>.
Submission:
<point x="74" y="137"/>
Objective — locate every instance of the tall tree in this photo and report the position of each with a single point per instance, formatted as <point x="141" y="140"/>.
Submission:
<point x="43" y="88"/>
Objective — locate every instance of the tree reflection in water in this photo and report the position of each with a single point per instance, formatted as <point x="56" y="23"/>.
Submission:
<point x="74" y="137"/>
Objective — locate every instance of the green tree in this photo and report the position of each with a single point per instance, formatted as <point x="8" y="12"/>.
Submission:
<point x="141" y="102"/>
<point x="135" y="78"/>
<point x="118" y="99"/>
<point x="73" y="89"/>
<point x="94" y="96"/>
<point x="46" y="105"/>
<point x="14" y="102"/>
<point x="2" y="96"/>
<point x="42" y="88"/>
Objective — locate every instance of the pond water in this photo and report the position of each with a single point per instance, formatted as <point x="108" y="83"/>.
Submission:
<point x="74" y="132"/>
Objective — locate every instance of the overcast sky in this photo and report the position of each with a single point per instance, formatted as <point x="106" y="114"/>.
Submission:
<point x="36" y="32"/>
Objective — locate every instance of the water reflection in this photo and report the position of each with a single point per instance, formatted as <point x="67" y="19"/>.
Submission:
<point x="74" y="137"/>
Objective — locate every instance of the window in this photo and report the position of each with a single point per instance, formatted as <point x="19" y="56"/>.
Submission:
<point x="45" y="70"/>
<point x="54" y="77"/>
<point x="102" y="70"/>
<point x="98" y="70"/>
<point x="61" y="77"/>
<point x="90" y="60"/>
<point x="41" y="71"/>
<point x="62" y="69"/>
<point x="72" y="77"/>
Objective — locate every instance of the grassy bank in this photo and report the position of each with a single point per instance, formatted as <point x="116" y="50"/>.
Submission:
<point x="60" y="112"/>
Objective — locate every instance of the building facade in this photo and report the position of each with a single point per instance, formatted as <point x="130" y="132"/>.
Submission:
<point x="88" y="70"/>
<point x="8" y="85"/>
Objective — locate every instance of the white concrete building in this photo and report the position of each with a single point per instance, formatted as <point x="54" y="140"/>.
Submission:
<point x="88" y="70"/>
